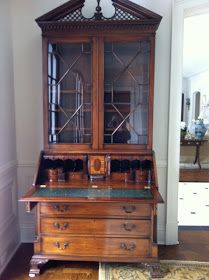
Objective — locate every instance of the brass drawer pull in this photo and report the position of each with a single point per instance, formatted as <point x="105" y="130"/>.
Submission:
<point x="127" y="247"/>
<point x="129" y="227"/>
<point x="129" y="208"/>
<point x="61" y="208"/>
<point x="60" y="227"/>
<point x="59" y="246"/>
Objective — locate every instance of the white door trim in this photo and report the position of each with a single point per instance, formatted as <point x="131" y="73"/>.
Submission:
<point x="180" y="9"/>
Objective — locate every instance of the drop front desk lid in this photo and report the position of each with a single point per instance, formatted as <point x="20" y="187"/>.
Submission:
<point x="45" y="194"/>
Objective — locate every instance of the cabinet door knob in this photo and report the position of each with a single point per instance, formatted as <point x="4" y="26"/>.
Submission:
<point x="59" y="226"/>
<point x="61" y="208"/>
<point x="129" y="208"/>
<point x="60" y="246"/>
<point x="129" y="227"/>
<point x="127" y="247"/>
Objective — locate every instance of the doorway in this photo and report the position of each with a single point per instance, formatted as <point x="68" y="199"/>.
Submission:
<point x="193" y="195"/>
<point x="180" y="9"/>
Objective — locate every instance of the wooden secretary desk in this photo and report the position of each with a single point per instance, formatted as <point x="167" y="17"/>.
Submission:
<point x="96" y="189"/>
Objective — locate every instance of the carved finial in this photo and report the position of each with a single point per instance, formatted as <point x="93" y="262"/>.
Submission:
<point x="106" y="6"/>
<point x="98" y="14"/>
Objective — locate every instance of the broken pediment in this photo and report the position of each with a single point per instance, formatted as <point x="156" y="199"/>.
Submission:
<point x="69" y="16"/>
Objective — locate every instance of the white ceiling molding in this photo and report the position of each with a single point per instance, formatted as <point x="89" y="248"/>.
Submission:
<point x="202" y="9"/>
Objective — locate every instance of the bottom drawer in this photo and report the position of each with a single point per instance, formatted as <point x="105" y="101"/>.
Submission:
<point x="89" y="246"/>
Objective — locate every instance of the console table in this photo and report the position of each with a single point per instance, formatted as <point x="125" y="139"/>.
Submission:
<point x="195" y="143"/>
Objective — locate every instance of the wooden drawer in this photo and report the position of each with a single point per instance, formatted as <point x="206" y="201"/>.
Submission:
<point x="97" y="209"/>
<point x="90" y="246"/>
<point x="96" y="226"/>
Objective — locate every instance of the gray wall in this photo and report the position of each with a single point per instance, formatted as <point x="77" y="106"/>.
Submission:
<point x="9" y="229"/>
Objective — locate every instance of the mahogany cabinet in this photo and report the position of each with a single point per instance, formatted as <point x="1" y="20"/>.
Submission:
<point x="95" y="190"/>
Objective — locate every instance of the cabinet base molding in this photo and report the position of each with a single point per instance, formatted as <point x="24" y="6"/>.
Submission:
<point x="38" y="261"/>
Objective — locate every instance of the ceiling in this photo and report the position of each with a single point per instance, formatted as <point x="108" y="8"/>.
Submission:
<point x="196" y="44"/>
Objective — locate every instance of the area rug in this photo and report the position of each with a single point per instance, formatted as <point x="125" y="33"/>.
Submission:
<point x="171" y="270"/>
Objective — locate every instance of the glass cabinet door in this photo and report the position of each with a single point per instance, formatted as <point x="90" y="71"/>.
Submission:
<point x="70" y="93"/>
<point x="126" y="92"/>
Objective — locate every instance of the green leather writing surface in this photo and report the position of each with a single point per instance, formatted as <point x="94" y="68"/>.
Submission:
<point x="93" y="193"/>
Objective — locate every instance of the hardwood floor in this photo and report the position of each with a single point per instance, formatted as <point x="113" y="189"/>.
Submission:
<point x="193" y="245"/>
<point x="18" y="268"/>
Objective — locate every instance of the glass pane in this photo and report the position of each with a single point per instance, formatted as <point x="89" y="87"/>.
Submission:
<point x="126" y="92"/>
<point x="69" y="93"/>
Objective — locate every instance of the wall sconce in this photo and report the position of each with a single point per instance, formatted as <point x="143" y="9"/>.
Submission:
<point x="188" y="102"/>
